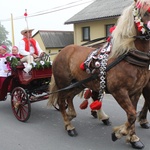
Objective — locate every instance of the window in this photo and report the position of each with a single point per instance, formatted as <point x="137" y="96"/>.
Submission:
<point x="107" y="29"/>
<point x="86" y="33"/>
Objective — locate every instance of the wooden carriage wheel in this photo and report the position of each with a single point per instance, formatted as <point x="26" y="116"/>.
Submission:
<point x="20" y="104"/>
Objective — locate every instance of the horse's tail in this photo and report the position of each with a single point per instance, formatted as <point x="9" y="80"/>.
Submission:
<point x="53" y="96"/>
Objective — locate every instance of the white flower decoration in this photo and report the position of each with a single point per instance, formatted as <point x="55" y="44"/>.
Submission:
<point x="42" y="62"/>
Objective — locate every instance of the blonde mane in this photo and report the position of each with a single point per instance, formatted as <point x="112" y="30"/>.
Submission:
<point x="123" y="40"/>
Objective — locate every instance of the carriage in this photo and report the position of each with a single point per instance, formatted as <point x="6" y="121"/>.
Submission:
<point x="25" y="89"/>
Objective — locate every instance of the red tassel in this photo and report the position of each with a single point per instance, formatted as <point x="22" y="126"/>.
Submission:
<point x="82" y="66"/>
<point x="84" y="104"/>
<point x="87" y="94"/>
<point x="96" y="105"/>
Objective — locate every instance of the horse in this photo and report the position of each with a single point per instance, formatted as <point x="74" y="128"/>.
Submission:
<point x="125" y="80"/>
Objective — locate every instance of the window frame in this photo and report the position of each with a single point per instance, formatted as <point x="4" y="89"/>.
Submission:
<point x="107" y="28"/>
<point x="86" y="30"/>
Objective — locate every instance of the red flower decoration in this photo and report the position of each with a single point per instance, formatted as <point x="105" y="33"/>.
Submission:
<point x="96" y="105"/>
<point x="139" y="28"/>
<point x="148" y="10"/>
<point x="138" y="24"/>
<point x="112" y="29"/>
<point x="108" y="39"/>
<point x="25" y="14"/>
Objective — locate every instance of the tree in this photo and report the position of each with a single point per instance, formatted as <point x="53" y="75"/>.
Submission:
<point x="3" y="36"/>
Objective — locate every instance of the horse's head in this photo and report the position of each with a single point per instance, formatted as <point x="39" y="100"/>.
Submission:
<point x="141" y="13"/>
<point x="134" y="21"/>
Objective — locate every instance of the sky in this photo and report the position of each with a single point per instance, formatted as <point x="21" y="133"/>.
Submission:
<point x="49" y="21"/>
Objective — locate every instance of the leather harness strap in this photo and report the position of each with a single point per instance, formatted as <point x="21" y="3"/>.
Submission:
<point x="138" y="58"/>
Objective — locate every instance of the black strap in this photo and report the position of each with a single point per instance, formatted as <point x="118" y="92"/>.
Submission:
<point x="115" y="62"/>
<point x="77" y="84"/>
<point x="92" y="77"/>
<point x="142" y="37"/>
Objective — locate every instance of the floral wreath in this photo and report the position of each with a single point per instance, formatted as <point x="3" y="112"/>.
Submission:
<point x="138" y="19"/>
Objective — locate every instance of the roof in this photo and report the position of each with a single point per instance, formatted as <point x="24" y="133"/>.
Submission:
<point x="99" y="10"/>
<point x="56" y="39"/>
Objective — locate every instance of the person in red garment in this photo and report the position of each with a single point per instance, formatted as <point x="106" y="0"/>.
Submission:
<point x="4" y="69"/>
<point x="15" y="51"/>
<point x="29" y="49"/>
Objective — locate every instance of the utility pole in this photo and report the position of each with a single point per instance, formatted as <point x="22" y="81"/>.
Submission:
<point x="12" y="29"/>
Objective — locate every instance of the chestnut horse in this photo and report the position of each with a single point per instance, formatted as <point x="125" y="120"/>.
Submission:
<point x="125" y="80"/>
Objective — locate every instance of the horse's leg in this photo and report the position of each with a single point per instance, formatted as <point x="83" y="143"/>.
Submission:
<point x="142" y="117"/>
<point x="71" y="111"/>
<point x="103" y="117"/>
<point x="100" y="113"/>
<point x="127" y="129"/>
<point x="62" y="106"/>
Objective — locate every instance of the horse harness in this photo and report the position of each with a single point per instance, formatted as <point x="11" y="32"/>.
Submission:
<point x="135" y="57"/>
<point x="100" y="56"/>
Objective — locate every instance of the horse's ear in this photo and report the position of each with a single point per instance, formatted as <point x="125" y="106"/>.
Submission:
<point x="135" y="0"/>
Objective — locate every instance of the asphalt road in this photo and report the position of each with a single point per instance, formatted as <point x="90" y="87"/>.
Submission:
<point x="45" y="129"/>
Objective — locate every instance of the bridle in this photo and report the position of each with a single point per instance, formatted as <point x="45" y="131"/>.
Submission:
<point x="140" y="25"/>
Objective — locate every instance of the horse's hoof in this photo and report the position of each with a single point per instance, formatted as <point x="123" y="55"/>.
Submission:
<point x="137" y="145"/>
<point x="113" y="137"/>
<point x="72" y="132"/>
<point x="145" y="125"/>
<point x="94" y="114"/>
<point x="106" y="122"/>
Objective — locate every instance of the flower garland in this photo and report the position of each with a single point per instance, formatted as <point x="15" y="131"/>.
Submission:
<point x="41" y="64"/>
<point x="138" y="19"/>
<point x="13" y="62"/>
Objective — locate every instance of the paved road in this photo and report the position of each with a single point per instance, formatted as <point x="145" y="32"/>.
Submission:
<point x="45" y="131"/>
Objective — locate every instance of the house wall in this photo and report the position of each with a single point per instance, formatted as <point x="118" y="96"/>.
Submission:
<point x="97" y="29"/>
<point x="37" y="37"/>
<point x="52" y="51"/>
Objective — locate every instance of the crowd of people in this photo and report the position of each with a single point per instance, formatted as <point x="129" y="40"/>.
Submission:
<point x="27" y="50"/>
